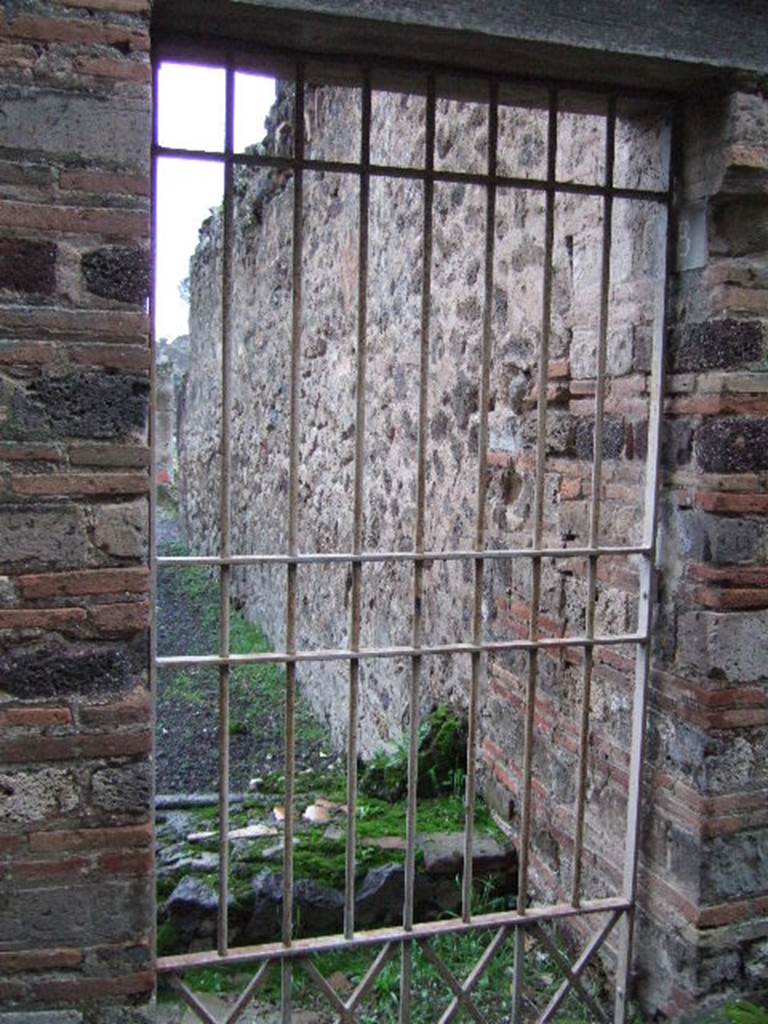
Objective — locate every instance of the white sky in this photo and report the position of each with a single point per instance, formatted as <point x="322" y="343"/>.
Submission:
<point x="191" y="116"/>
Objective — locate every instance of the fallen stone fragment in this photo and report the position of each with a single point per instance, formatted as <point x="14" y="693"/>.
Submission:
<point x="248" y="832"/>
<point x="444" y="854"/>
<point x="317" y="814"/>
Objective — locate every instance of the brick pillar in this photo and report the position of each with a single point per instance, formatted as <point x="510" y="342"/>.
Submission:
<point x="705" y="874"/>
<point x="75" y="776"/>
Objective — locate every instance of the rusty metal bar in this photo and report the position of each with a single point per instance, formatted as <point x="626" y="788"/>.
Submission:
<point x="538" y="517"/>
<point x="249" y="992"/>
<point x="579" y="967"/>
<point x="357" y="529"/>
<point x="380" y="936"/>
<point x="346" y="1016"/>
<point x="153" y="600"/>
<point x="369" y="978"/>
<point x="469" y="554"/>
<point x="476" y="974"/>
<point x="664" y="242"/>
<point x="225" y="502"/>
<point x="482" y="488"/>
<point x="345" y="654"/>
<point x="595" y="496"/>
<point x="418" y="568"/>
<point x="293" y="524"/>
<point x="573" y="980"/>
<point x="459" y="994"/>
<point x="191" y="1000"/>
<point x="289" y="163"/>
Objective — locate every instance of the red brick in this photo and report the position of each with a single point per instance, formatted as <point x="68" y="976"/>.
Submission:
<point x="92" y="839"/>
<point x="39" y="960"/>
<point x="570" y="489"/>
<point x="16" y="353"/>
<point x="122" y="70"/>
<point x="558" y="368"/>
<point x="29" y="453"/>
<point x="72" y="748"/>
<point x="730" y="575"/>
<point x="62" y="485"/>
<point x="10" y="844"/>
<point x="120" y="863"/>
<point x="122" y="6"/>
<point x="56" y="869"/>
<point x="120" y="619"/>
<point x="85" y="581"/>
<point x="716" y="405"/>
<point x="102" y="182"/>
<point x="136" y="712"/>
<point x="17" y="55"/>
<point x="45" y="323"/>
<point x="113" y="357"/>
<point x="78" y="988"/>
<point x="74" y="220"/>
<point x="112" y="455"/>
<point x="732" y="504"/>
<point x="36" y="717"/>
<point x="733" y="597"/>
<point x="44" y="28"/>
<point x="502" y="460"/>
<point x="41" y="618"/>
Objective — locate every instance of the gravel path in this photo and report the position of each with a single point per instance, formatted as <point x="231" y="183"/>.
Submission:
<point x="187" y="701"/>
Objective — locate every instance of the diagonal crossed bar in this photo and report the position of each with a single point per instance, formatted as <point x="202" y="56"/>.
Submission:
<point x="473" y="977"/>
<point x="348" y="1010"/>
<point x="249" y="992"/>
<point x="571" y="979"/>
<point x="191" y="1000"/>
<point x="577" y="970"/>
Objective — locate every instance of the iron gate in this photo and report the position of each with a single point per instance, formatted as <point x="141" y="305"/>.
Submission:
<point x="615" y="912"/>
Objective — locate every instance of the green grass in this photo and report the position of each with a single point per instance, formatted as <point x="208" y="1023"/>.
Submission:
<point x="252" y="687"/>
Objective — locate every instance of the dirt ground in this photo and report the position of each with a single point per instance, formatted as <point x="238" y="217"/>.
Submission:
<point x="187" y="702"/>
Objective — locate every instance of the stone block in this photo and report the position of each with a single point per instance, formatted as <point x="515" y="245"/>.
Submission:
<point x="56" y="124"/>
<point x="711" y="538"/>
<point x="79" y="405"/>
<point x="121" y="530"/>
<point x="40" y="673"/>
<point x="735" y="867"/>
<point x="613" y="439"/>
<point x="717" y="345"/>
<point x="124" y="790"/>
<point x="117" y="272"/>
<point x="730" y="645"/>
<point x="732" y="445"/>
<point x="43" y="538"/>
<point x="27" y="266"/>
<point x="42" y="1017"/>
<point x="31" y="797"/>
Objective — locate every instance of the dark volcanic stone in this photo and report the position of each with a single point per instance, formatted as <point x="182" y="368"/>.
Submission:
<point x="27" y="266"/>
<point x="380" y="898"/>
<point x="716" y="345"/>
<point x="93" y="405"/>
<point x="732" y="445"/>
<point x="47" y="672"/>
<point x="613" y="439"/>
<point x="117" y="272"/>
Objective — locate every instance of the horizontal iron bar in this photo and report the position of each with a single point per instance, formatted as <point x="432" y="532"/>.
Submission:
<point x="341" y="557"/>
<point x="414" y="174"/>
<point x="419" y="933"/>
<point x="340" y="654"/>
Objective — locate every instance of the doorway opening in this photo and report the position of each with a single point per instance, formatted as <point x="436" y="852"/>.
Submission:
<point x="405" y="469"/>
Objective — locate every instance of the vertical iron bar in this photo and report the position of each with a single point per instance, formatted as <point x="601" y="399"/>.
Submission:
<point x="594" y="516"/>
<point x="482" y="486"/>
<point x="153" y="623"/>
<point x="665" y="246"/>
<point x="293" y="522"/>
<point x="538" y="515"/>
<point x="357" y="530"/>
<point x="418" y="570"/>
<point x="225" y="580"/>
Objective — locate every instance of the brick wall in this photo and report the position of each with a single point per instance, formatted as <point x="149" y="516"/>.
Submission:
<point x="75" y="782"/>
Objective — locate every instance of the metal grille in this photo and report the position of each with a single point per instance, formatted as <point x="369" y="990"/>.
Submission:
<point x="528" y="918"/>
